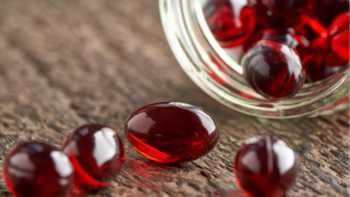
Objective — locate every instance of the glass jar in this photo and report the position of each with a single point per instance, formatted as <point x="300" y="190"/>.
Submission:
<point x="214" y="70"/>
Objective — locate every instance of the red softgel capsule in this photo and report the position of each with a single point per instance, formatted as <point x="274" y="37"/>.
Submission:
<point x="339" y="33"/>
<point x="96" y="153"/>
<point x="171" y="132"/>
<point x="34" y="169"/>
<point x="273" y="70"/>
<point x="231" y="21"/>
<point x="332" y="7"/>
<point x="265" y="167"/>
<point x="279" y="14"/>
<point x="330" y="54"/>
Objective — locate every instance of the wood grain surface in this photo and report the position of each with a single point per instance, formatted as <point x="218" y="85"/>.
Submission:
<point x="68" y="62"/>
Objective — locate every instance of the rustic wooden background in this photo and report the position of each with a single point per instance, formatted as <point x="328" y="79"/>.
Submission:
<point x="68" y="62"/>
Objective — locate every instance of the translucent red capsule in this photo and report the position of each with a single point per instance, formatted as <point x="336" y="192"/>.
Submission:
<point x="265" y="167"/>
<point x="171" y="132"/>
<point x="329" y="54"/>
<point x="96" y="152"/>
<point x="282" y="37"/>
<point x="326" y="10"/>
<point x="34" y="169"/>
<point x="231" y="22"/>
<point x="339" y="33"/>
<point x="279" y="14"/>
<point x="273" y="70"/>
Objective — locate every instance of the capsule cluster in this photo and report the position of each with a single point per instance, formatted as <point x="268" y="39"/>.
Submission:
<point x="285" y="43"/>
<point x="166" y="133"/>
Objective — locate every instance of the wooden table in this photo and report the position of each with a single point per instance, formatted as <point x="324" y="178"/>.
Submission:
<point x="68" y="62"/>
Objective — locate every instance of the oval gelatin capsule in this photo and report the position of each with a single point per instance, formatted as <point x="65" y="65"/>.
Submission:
<point x="171" y="132"/>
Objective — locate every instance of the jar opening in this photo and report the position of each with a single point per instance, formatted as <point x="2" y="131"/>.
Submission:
<point x="217" y="69"/>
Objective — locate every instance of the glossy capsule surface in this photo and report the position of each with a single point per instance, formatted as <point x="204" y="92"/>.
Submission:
<point x="34" y="169"/>
<point x="273" y="70"/>
<point x="96" y="152"/>
<point x="265" y="167"/>
<point x="171" y="132"/>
